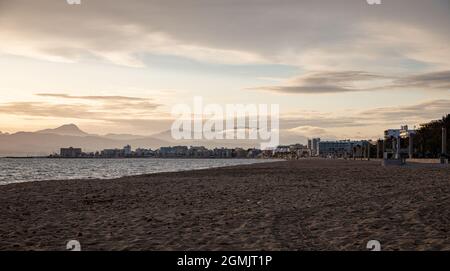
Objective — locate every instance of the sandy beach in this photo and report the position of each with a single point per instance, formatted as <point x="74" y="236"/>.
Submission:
<point x="294" y="205"/>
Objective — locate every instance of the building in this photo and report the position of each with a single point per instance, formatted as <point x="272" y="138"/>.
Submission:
<point x="267" y="153"/>
<point x="281" y="150"/>
<point x="223" y="153"/>
<point x="240" y="153"/>
<point x="173" y="152"/>
<point x="166" y="152"/>
<point x="144" y="153"/>
<point x="343" y="149"/>
<point x="300" y="151"/>
<point x="253" y="153"/>
<point x="112" y="153"/>
<point x="313" y="145"/>
<point x="199" y="152"/>
<point x="117" y="153"/>
<point x="399" y="143"/>
<point x="292" y="152"/>
<point x="127" y="151"/>
<point x="181" y="151"/>
<point x="71" y="152"/>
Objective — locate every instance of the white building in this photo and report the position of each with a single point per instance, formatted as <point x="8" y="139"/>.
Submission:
<point x="127" y="151"/>
<point x="313" y="145"/>
<point x="343" y="148"/>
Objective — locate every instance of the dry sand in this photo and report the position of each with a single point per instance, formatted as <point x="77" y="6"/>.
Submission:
<point x="296" y="205"/>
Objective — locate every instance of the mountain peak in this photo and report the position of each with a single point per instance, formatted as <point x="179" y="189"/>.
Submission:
<point x="66" y="129"/>
<point x="69" y="125"/>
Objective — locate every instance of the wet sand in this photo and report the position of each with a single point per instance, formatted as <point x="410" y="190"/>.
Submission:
<point x="295" y="205"/>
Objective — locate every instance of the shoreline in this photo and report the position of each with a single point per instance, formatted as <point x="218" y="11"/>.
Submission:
<point x="288" y="205"/>
<point x="257" y="161"/>
<point x="65" y="158"/>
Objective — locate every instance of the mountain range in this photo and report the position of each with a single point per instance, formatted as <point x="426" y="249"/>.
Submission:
<point x="45" y="142"/>
<point x="48" y="141"/>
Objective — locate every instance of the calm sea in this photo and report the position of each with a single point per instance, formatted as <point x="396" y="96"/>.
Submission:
<point x="38" y="169"/>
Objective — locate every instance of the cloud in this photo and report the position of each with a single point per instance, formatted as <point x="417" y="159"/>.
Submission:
<point x="435" y="80"/>
<point x="123" y="116"/>
<point x="338" y="46"/>
<point x="327" y="82"/>
<point x="332" y="120"/>
<point x="41" y="109"/>
<point x="100" y="98"/>
<point x="315" y="35"/>
<point x="139" y="106"/>
<point x="117" y="109"/>
<point x="355" y="123"/>
<point x="115" y="32"/>
<point x="308" y="130"/>
<point x="421" y="112"/>
<point x="355" y="81"/>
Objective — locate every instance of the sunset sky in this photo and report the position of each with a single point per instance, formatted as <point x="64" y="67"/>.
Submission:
<point x="338" y="69"/>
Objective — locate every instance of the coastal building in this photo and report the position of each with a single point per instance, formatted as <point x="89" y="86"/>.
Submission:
<point x="127" y="151"/>
<point x="267" y="153"/>
<point x="88" y="154"/>
<point x="344" y="149"/>
<point x="399" y="143"/>
<point x="199" y="152"/>
<point x="253" y="153"/>
<point x="240" y="153"/>
<point x="71" y="152"/>
<point x="313" y="145"/>
<point x="181" y="151"/>
<point x="140" y="152"/>
<point x="301" y="151"/>
<point x="280" y="150"/>
<point x="292" y="152"/>
<point x="166" y="152"/>
<point x="222" y="153"/>
<point x="111" y="153"/>
<point x="173" y="152"/>
<point x="341" y="148"/>
<point x="117" y="153"/>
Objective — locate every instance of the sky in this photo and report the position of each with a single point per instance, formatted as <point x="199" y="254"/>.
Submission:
<point x="338" y="69"/>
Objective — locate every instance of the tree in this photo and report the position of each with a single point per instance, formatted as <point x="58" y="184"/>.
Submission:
<point x="428" y="140"/>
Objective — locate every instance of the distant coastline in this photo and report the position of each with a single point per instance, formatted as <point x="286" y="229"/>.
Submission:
<point x="106" y="158"/>
<point x="24" y="157"/>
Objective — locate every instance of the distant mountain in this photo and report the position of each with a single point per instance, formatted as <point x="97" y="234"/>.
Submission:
<point x="167" y="136"/>
<point x="285" y="138"/>
<point x="45" y="142"/>
<point x="67" y="130"/>
<point x="124" y="136"/>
